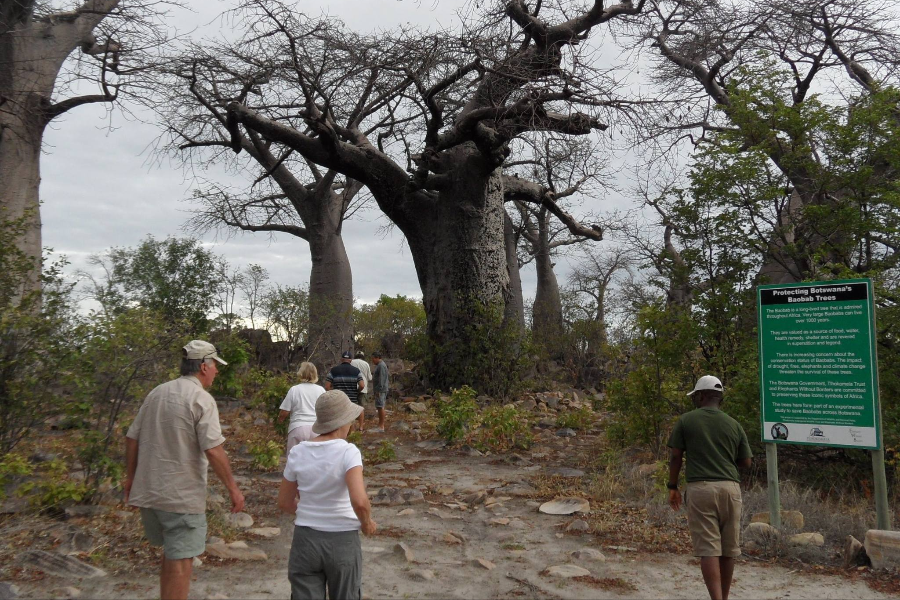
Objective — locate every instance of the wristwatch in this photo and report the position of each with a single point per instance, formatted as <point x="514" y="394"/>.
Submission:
<point x="672" y="486"/>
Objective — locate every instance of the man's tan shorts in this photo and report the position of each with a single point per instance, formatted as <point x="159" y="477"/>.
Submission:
<point x="714" y="517"/>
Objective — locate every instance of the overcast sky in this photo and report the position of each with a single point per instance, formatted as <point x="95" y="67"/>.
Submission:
<point x="101" y="188"/>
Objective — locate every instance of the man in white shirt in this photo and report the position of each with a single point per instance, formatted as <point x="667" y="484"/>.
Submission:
<point x="360" y="363"/>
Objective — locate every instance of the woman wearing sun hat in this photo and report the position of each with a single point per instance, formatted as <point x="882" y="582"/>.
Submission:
<point x="323" y="485"/>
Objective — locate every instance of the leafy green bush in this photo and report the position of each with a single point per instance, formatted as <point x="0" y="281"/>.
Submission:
<point x="504" y="428"/>
<point x="455" y="416"/>
<point x="266" y="454"/>
<point x="578" y="420"/>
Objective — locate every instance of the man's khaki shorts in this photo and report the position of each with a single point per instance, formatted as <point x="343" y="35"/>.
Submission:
<point x="714" y="517"/>
<point x="182" y="535"/>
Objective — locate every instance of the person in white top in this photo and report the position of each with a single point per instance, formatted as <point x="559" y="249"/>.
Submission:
<point x="300" y="405"/>
<point x="323" y="487"/>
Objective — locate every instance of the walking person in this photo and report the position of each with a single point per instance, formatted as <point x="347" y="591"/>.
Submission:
<point x="300" y="405"/>
<point x="715" y="446"/>
<point x="174" y="438"/>
<point x="380" y="385"/>
<point x="323" y="486"/>
<point x="348" y="379"/>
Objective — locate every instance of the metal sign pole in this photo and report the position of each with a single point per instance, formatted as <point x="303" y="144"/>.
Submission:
<point x="772" y="485"/>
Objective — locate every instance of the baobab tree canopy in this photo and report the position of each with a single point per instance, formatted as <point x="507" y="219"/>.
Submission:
<point x="424" y="120"/>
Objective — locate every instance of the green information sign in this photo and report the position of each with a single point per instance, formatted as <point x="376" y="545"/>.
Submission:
<point x="817" y="363"/>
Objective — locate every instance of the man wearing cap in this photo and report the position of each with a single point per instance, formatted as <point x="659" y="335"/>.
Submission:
<point x="360" y="363"/>
<point x="168" y="448"/>
<point x="348" y="379"/>
<point x="715" y="446"/>
<point x="380" y="385"/>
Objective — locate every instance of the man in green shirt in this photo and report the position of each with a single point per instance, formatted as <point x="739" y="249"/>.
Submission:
<point x="715" y="445"/>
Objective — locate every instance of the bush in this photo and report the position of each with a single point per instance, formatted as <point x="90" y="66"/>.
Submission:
<point x="266" y="454"/>
<point x="455" y="415"/>
<point x="504" y="428"/>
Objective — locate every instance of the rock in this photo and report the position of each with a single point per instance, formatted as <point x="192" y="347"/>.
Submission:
<point x="566" y="432"/>
<point x="451" y="539"/>
<point x="240" y="520"/>
<point x="236" y="550"/>
<point x="406" y="512"/>
<point x="806" y="539"/>
<point x="516" y="489"/>
<point x="578" y="526"/>
<point x="431" y="444"/>
<point x="57" y="564"/>
<point x="69" y="592"/>
<point x="499" y="521"/>
<point x="853" y="552"/>
<point x="792" y="519"/>
<point x="85" y="510"/>
<point x="760" y="533"/>
<point x="484" y="564"/>
<point x="266" y="532"/>
<point x="416" y="407"/>
<point x="588" y="554"/>
<point x="883" y="548"/>
<point x="196" y="563"/>
<point x="422" y="574"/>
<point x="75" y="543"/>
<point x="566" y="571"/>
<point x="8" y="591"/>
<point x="565" y="472"/>
<point x="565" y="506"/>
<point x="403" y="551"/>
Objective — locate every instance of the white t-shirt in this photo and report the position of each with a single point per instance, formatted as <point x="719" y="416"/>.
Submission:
<point x="363" y="367"/>
<point x="319" y="470"/>
<point x="301" y="402"/>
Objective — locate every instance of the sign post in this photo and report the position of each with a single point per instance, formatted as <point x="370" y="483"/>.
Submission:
<point x="819" y="371"/>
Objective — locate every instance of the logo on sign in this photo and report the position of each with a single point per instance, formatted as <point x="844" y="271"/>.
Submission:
<point x="779" y="431"/>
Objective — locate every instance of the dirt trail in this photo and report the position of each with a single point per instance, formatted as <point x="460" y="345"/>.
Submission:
<point x="521" y="548"/>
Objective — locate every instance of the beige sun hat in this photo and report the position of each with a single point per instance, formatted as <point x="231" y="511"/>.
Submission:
<point x="334" y="410"/>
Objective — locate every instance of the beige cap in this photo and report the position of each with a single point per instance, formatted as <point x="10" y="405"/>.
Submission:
<point x="333" y="411"/>
<point x="198" y="350"/>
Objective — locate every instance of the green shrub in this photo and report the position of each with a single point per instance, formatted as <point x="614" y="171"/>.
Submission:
<point x="504" y="428"/>
<point x="266" y="454"/>
<point x="455" y="416"/>
<point x="579" y="419"/>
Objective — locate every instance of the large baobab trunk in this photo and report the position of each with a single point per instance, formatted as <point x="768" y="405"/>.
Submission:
<point x="460" y="257"/>
<point x="330" y="296"/>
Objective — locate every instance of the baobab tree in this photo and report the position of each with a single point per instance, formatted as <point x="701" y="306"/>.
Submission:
<point x="425" y="121"/>
<point x="50" y="54"/>
<point x="284" y="193"/>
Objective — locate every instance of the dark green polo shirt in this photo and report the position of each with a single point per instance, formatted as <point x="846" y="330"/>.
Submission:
<point x="713" y="442"/>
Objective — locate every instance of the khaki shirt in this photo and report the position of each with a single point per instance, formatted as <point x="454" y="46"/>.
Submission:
<point x="177" y="423"/>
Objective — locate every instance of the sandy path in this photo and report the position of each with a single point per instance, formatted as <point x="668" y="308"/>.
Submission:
<point x="521" y="550"/>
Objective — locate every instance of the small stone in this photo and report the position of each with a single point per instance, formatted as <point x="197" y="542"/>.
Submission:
<point x="588" y="554"/>
<point x="402" y="550"/>
<point x="565" y="506"/>
<point x="266" y="532"/>
<point x="484" y="564"/>
<point x="57" y="564"/>
<point x="806" y="539"/>
<point x="883" y="548"/>
<point x="240" y="520"/>
<point x="792" y="519"/>
<point x="406" y="512"/>
<point x="197" y="563"/>
<point x="578" y="526"/>
<point x="237" y="550"/>
<point x="853" y="550"/>
<point x="566" y="571"/>
<point x="70" y="592"/>
<point x="422" y="574"/>
<point x="499" y="521"/>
